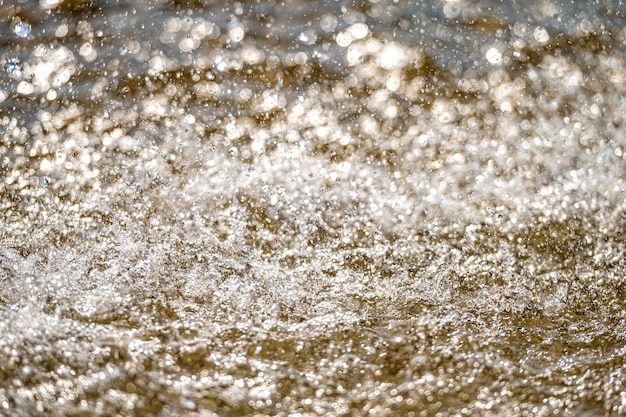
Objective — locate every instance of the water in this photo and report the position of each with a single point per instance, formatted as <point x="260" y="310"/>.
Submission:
<point x="22" y="29"/>
<point x="312" y="208"/>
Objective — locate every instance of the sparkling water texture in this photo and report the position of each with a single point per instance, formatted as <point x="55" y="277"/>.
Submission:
<point x="312" y="208"/>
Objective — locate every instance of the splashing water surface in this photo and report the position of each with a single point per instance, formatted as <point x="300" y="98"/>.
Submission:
<point x="312" y="208"/>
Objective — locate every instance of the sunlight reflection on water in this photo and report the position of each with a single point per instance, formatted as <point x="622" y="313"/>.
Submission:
<point x="312" y="208"/>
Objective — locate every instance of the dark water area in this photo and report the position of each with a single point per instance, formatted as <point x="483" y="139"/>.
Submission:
<point x="324" y="208"/>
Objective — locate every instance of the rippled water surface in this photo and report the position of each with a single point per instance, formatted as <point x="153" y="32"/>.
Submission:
<point x="302" y="208"/>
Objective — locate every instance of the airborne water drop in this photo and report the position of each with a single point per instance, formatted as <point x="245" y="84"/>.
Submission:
<point x="22" y="29"/>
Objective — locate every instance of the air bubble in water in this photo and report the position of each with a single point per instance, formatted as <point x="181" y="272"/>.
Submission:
<point x="22" y="29"/>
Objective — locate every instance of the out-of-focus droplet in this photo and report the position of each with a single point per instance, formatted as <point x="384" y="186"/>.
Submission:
<point x="14" y="68"/>
<point x="451" y="10"/>
<point x="61" y="30"/>
<point x="22" y="29"/>
<point x="236" y="33"/>
<point x="493" y="56"/>
<point x="328" y="23"/>
<point x="51" y="94"/>
<point x="308" y="37"/>
<point x="24" y="88"/>
<point x="541" y="35"/>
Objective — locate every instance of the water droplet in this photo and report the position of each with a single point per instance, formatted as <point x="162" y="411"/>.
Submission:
<point x="24" y="88"/>
<point x="85" y="49"/>
<point x="328" y="23"/>
<point x="308" y="37"/>
<point x="236" y="34"/>
<point x="451" y="10"/>
<point x="61" y="31"/>
<point x="187" y="403"/>
<point x="14" y="68"/>
<point x="22" y="29"/>
<point x="541" y="35"/>
<point x="494" y="56"/>
<point x="221" y="65"/>
<point x="51" y="94"/>
<point x="358" y="31"/>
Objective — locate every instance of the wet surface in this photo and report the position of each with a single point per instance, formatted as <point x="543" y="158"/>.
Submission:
<point x="312" y="208"/>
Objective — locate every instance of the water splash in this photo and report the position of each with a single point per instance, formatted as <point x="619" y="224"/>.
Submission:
<point x="391" y="209"/>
